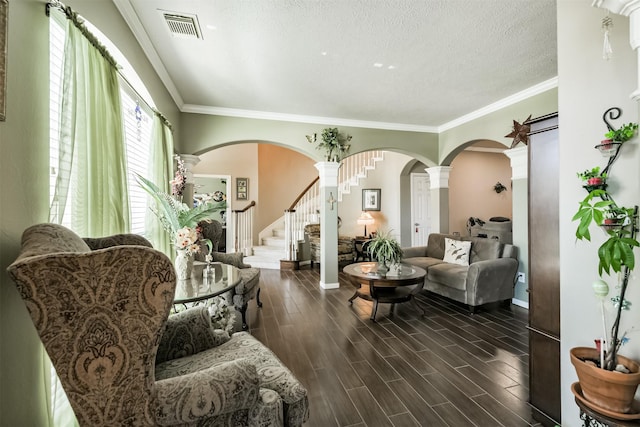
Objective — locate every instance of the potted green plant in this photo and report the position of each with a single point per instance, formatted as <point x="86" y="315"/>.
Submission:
<point x="333" y="142"/>
<point x="592" y="177"/>
<point x="623" y="134"/>
<point x="384" y="249"/>
<point x="595" y="366"/>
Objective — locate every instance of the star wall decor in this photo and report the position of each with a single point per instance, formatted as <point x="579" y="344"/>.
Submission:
<point x="520" y="132"/>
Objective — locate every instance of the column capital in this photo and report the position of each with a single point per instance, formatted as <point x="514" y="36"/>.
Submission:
<point x="519" y="162"/>
<point x="189" y="162"/>
<point x="439" y="176"/>
<point x="328" y="173"/>
<point x="621" y="7"/>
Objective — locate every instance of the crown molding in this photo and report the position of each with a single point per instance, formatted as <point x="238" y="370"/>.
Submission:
<point x="297" y="118"/>
<point x="503" y="103"/>
<point x="131" y="18"/>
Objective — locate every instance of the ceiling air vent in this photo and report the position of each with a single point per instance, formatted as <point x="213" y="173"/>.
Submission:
<point x="181" y="25"/>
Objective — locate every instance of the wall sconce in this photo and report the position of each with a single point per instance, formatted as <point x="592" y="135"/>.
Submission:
<point x="365" y="219"/>
<point x="499" y="188"/>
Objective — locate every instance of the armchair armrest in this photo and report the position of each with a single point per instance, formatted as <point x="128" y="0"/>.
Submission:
<point x="235" y="259"/>
<point x="116" y="240"/>
<point x="414" y="252"/>
<point x="491" y="280"/>
<point x="217" y="390"/>
<point x="188" y="332"/>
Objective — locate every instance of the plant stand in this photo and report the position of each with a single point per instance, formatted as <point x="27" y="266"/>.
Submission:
<point x="591" y="418"/>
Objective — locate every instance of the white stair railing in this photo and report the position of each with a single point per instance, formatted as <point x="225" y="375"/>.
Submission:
<point x="243" y="229"/>
<point x="306" y="208"/>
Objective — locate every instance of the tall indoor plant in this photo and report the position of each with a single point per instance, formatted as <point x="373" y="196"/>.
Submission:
<point x="616" y="258"/>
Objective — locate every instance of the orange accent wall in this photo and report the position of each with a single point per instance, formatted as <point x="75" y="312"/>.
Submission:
<point x="471" y="191"/>
<point x="282" y="174"/>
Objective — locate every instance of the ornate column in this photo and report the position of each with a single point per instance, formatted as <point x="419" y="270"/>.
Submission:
<point x="189" y="162"/>
<point x="439" y="179"/>
<point x="630" y="8"/>
<point x="329" y="224"/>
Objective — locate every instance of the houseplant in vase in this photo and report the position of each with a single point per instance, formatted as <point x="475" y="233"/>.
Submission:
<point x="335" y="144"/>
<point x="180" y="221"/>
<point x="608" y="381"/>
<point x="386" y="250"/>
<point x="614" y="138"/>
<point x="593" y="178"/>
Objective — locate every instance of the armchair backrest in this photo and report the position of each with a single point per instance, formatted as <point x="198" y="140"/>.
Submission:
<point x="212" y="230"/>
<point x="100" y="315"/>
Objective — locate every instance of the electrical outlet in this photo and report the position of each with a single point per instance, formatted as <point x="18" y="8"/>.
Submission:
<point x="521" y="277"/>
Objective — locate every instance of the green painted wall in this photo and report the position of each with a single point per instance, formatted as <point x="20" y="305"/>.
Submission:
<point x="25" y="197"/>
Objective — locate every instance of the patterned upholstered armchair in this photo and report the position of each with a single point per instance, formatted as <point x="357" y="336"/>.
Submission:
<point x="101" y="306"/>
<point x="249" y="286"/>
<point x="346" y="252"/>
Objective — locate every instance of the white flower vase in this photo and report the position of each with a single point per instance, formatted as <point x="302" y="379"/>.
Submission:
<point x="183" y="264"/>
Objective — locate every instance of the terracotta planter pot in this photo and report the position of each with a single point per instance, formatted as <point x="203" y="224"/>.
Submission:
<point x="613" y="391"/>
<point x="595" y="181"/>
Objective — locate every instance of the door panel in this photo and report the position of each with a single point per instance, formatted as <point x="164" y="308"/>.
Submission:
<point x="420" y="218"/>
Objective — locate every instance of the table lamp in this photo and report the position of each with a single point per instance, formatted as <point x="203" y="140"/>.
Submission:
<point x="366" y="219"/>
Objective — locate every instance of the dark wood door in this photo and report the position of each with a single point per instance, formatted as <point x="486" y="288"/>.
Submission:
<point x="544" y="270"/>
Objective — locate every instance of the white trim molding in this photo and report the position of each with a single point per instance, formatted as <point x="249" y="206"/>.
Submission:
<point x="439" y="176"/>
<point x="519" y="162"/>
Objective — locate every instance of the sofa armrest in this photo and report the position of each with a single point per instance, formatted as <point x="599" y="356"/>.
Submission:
<point x="414" y="251"/>
<point x="188" y="332"/>
<point x="116" y="240"/>
<point x="491" y="280"/>
<point x="220" y="389"/>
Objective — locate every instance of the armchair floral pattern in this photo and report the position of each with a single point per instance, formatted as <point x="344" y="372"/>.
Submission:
<point x="102" y="316"/>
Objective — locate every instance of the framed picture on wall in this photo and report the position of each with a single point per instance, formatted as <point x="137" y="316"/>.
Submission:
<point x="371" y="199"/>
<point x="242" y="188"/>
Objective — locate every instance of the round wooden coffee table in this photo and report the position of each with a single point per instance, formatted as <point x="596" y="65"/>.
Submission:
<point x="391" y="288"/>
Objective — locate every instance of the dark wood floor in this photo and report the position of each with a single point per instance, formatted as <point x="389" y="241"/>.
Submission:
<point x="448" y="368"/>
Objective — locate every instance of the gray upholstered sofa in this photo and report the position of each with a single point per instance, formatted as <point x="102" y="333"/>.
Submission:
<point x="489" y="277"/>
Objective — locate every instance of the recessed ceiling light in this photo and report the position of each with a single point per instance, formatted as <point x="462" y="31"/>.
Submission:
<point x="391" y="67"/>
<point x="378" y="65"/>
<point x="212" y="27"/>
<point x="323" y="53"/>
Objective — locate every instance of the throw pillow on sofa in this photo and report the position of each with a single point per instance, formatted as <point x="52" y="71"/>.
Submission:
<point x="456" y="251"/>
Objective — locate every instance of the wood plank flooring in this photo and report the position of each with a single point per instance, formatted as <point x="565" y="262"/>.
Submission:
<point x="448" y="368"/>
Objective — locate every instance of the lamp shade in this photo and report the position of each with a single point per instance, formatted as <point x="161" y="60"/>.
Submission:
<point x="366" y="219"/>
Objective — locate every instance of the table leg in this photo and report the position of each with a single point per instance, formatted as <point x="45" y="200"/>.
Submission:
<point x="374" y="309"/>
<point x="355" y="295"/>
<point x="413" y="300"/>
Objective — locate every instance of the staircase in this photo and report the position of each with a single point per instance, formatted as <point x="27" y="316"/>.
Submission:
<point x="273" y="239"/>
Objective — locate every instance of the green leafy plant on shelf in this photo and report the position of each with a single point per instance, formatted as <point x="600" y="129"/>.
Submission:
<point x="623" y="134"/>
<point x="335" y="144"/>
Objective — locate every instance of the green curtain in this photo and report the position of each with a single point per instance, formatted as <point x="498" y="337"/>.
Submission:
<point x="92" y="133"/>
<point x="161" y="173"/>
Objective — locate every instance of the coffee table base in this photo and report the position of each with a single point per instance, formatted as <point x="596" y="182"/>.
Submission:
<point x="386" y="296"/>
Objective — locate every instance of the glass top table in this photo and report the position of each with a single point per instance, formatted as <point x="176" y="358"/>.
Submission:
<point x="193" y="290"/>
<point x="392" y="287"/>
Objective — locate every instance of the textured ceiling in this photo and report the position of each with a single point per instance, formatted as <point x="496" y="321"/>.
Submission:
<point x="440" y="59"/>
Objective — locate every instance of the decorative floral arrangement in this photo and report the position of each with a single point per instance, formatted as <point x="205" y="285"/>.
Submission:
<point x="333" y="142"/>
<point x="179" y="182"/>
<point x="178" y="219"/>
<point x="188" y="239"/>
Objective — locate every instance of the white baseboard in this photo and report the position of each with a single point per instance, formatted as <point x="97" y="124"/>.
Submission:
<point x="520" y="303"/>
<point x="329" y="285"/>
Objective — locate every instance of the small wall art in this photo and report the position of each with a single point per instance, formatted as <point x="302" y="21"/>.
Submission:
<point x="242" y="188"/>
<point x="371" y="199"/>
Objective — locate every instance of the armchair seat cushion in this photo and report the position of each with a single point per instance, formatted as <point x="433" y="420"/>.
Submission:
<point x="272" y="372"/>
